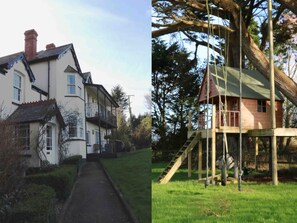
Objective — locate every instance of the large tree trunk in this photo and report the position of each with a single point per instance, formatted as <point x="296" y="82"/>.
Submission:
<point x="285" y="84"/>
<point x="289" y="4"/>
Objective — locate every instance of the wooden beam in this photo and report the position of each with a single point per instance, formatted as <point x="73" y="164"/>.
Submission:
<point x="285" y="132"/>
<point x="256" y="152"/>
<point x="200" y="160"/>
<point x="288" y="132"/>
<point x="213" y="145"/>
<point x="190" y="164"/>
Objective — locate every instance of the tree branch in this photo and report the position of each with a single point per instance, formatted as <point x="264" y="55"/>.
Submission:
<point x="289" y="4"/>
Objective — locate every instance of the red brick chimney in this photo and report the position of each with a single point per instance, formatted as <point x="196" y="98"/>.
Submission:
<point x="50" y="46"/>
<point x="30" y="43"/>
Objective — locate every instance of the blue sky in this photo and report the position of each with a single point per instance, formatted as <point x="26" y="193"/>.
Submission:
<point x="112" y="38"/>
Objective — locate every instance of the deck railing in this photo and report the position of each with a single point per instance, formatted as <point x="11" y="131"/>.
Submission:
<point x="105" y="115"/>
<point x="232" y="119"/>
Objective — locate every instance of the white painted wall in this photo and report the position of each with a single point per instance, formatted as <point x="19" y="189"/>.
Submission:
<point x="6" y="88"/>
<point x="58" y="90"/>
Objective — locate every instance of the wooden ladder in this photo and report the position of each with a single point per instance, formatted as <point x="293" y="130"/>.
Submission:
<point x="178" y="159"/>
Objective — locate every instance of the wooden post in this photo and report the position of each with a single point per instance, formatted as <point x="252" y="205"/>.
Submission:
<point x="213" y="144"/>
<point x="256" y="152"/>
<point x="190" y="164"/>
<point x="200" y="160"/>
<point x="190" y="153"/>
<point x="272" y="96"/>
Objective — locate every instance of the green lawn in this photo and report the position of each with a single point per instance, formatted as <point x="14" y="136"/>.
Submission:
<point x="187" y="200"/>
<point x="132" y="175"/>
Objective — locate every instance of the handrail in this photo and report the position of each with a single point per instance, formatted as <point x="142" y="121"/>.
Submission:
<point x="232" y="119"/>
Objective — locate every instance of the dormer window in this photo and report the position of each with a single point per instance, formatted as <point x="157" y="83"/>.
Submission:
<point x="17" y="88"/>
<point x="71" y="84"/>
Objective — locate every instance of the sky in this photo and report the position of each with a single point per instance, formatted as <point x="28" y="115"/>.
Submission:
<point x="111" y="38"/>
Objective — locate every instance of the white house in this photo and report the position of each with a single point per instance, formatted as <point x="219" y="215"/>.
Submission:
<point x="88" y="110"/>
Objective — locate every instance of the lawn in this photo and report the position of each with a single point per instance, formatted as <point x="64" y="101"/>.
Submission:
<point x="132" y="175"/>
<point x="187" y="200"/>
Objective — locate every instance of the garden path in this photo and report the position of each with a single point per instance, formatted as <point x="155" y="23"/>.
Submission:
<point x="93" y="199"/>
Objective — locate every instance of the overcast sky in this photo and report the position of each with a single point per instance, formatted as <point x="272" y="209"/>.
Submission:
<point x="112" y="38"/>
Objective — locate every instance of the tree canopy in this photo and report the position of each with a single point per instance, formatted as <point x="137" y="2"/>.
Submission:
<point x="175" y="80"/>
<point x="195" y="20"/>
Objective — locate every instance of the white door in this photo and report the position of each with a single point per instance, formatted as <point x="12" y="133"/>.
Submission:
<point x="50" y="144"/>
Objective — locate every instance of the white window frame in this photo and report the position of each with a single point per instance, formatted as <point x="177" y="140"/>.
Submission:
<point x="71" y="85"/>
<point x="49" y="137"/>
<point x="72" y="130"/>
<point x="76" y="128"/>
<point x="17" y="87"/>
<point x="23" y="136"/>
<point x="97" y="137"/>
<point x="88" y="134"/>
<point x="79" y="91"/>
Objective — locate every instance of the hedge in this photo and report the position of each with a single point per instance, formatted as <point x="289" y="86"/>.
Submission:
<point x="61" y="180"/>
<point x="36" y="206"/>
<point x="73" y="160"/>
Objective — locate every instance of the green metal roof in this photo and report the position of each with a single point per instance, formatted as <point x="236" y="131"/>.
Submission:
<point x="254" y="84"/>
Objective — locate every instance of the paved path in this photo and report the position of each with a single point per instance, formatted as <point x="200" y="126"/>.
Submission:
<point x="93" y="199"/>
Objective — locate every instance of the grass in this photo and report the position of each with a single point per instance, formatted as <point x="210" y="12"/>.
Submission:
<point x="132" y="175"/>
<point x="187" y="200"/>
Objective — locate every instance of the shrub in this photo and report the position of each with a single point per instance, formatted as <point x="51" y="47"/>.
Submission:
<point x="73" y="160"/>
<point x="37" y="205"/>
<point x="37" y="170"/>
<point x="61" y="180"/>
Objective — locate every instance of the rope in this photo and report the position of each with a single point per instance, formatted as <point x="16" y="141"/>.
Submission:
<point x="207" y="96"/>
<point x="240" y="100"/>
<point x="221" y="105"/>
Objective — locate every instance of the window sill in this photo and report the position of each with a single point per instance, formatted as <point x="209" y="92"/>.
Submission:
<point x="17" y="103"/>
<point x="76" y="139"/>
<point x="73" y="96"/>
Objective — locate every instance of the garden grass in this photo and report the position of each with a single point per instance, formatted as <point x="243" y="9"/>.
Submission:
<point x="187" y="200"/>
<point x="132" y="175"/>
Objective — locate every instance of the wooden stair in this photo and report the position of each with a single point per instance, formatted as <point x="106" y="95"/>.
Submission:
<point x="178" y="159"/>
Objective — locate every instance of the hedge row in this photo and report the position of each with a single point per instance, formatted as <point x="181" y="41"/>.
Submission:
<point x="73" y="160"/>
<point x="60" y="179"/>
<point x="37" y="205"/>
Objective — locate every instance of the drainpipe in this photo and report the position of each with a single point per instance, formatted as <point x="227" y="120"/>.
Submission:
<point x="85" y="119"/>
<point x="48" y="79"/>
<point x="99" y="120"/>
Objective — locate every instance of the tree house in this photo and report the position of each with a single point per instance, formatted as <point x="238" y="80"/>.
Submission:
<point x="224" y="91"/>
<point x="222" y="114"/>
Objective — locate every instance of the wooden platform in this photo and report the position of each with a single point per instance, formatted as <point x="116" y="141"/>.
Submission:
<point x="281" y="132"/>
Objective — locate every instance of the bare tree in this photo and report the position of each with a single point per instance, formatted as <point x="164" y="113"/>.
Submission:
<point x="12" y="167"/>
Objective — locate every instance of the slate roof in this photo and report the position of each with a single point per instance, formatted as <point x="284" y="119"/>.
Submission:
<point x="40" y="111"/>
<point x="55" y="53"/>
<point x="87" y="78"/>
<point x="254" y="84"/>
<point x="8" y="61"/>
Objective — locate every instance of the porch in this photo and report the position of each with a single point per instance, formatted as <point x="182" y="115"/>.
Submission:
<point x="223" y="119"/>
<point x="95" y="113"/>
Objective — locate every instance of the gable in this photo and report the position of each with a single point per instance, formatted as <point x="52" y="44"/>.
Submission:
<point x="213" y="92"/>
<point x="7" y="62"/>
<point x="70" y="69"/>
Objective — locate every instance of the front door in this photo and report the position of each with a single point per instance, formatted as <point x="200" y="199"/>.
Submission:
<point x="50" y="144"/>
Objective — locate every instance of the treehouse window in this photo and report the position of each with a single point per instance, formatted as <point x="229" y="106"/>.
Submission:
<point x="261" y="106"/>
